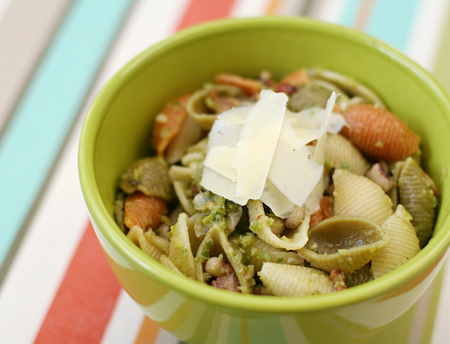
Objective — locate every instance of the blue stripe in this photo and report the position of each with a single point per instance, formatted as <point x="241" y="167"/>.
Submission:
<point x="350" y="12"/>
<point x="392" y="21"/>
<point x="50" y="105"/>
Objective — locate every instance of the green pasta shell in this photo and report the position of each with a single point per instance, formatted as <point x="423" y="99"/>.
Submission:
<point x="348" y="84"/>
<point x="416" y="195"/>
<point x="149" y="175"/>
<point x="200" y="109"/>
<point x="343" y="243"/>
<point x="309" y="95"/>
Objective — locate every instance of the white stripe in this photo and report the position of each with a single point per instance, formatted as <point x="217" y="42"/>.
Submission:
<point x="327" y="10"/>
<point x="427" y="31"/>
<point x="441" y="325"/>
<point x="294" y="7"/>
<point x="165" y="337"/>
<point x="148" y="23"/>
<point x="125" y="322"/>
<point x="249" y="8"/>
<point x="60" y="220"/>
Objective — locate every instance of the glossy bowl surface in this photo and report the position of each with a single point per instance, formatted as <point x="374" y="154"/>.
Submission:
<point x="117" y="131"/>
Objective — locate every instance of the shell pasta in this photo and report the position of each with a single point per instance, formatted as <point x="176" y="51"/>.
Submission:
<point x="285" y="186"/>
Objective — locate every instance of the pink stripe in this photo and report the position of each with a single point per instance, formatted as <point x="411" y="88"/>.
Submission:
<point x="86" y="297"/>
<point x="200" y="11"/>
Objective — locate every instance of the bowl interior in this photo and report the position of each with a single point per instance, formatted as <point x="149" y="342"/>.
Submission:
<point x="117" y="129"/>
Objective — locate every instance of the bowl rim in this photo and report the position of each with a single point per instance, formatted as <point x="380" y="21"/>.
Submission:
<point x="427" y="258"/>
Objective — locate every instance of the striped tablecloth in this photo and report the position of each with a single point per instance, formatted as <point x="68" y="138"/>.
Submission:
<point x="55" y="55"/>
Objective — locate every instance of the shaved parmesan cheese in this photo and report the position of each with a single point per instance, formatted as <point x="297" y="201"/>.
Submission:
<point x="294" y="171"/>
<point x="275" y="200"/>
<point x="307" y="123"/>
<point x="236" y="115"/>
<point x="224" y="134"/>
<point x="219" y="159"/>
<point x="220" y="185"/>
<point x="259" y="152"/>
<point x="257" y="143"/>
<point x="319" y="153"/>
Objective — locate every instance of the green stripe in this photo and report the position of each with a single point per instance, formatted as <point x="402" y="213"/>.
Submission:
<point x="49" y="107"/>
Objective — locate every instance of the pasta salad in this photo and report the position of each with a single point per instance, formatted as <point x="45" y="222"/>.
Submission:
<point x="292" y="187"/>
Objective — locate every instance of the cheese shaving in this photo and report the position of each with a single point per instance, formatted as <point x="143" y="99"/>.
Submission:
<point x="260" y="152"/>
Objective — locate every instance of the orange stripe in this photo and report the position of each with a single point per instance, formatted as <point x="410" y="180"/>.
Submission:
<point x="200" y="11"/>
<point x="273" y="7"/>
<point x="148" y="332"/>
<point x="86" y="297"/>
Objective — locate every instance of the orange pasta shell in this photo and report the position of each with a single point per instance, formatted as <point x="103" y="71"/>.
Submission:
<point x="168" y="123"/>
<point x="379" y="134"/>
<point x="144" y="211"/>
<point x="250" y="86"/>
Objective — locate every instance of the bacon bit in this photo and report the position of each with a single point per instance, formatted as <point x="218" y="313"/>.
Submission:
<point x="222" y="103"/>
<point x="286" y="88"/>
<point x="316" y="218"/>
<point x="229" y="281"/>
<point x="250" y="86"/>
<point x="325" y="211"/>
<point x="379" y="175"/>
<point x="296" y="78"/>
<point x="168" y="123"/>
<point x="144" y="211"/>
<point x="338" y="278"/>
<point x="266" y="78"/>
<point x="327" y="206"/>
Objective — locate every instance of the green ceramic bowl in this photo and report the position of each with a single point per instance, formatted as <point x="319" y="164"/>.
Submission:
<point x="117" y="130"/>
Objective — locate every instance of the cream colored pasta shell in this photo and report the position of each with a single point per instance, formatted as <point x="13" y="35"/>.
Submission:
<point x="180" y="173"/>
<point x="343" y="153"/>
<point x="193" y="157"/>
<point x="216" y="242"/>
<point x="416" y="196"/>
<point x="161" y="243"/>
<point x="202" y="255"/>
<point x="343" y="243"/>
<point x="165" y="261"/>
<point x="143" y="241"/>
<point x="181" y="190"/>
<point x="190" y="133"/>
<point x="360" y="197"/>
<point x="261" y="252"/>
<point x="260" y="225"/>
<point x="180" y="252"/>
<point x="291" y="280"/>
<point x="403" y="244"/>
<point x="195" y="237"/>
<point x="200" y="147"/>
